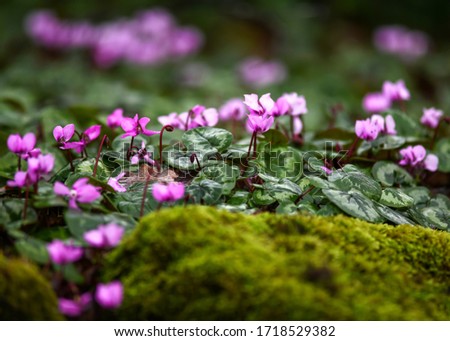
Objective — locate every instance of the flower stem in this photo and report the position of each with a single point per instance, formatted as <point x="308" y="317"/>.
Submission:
<point x="169" y="128"/>
<point x="69" y="154"/>
<point x="435" y="134"/>
<point x="195" y="158"/>
<point x="100" y="147"/>
<point x="19" y="163"/>
<point x="25" y="205"/>
<point x="144" y="195"/>
<point x="251" y="143"/>
<point x="130" y="148"/>
<point x="303" y="195"/>
<point x="352" y="149"/>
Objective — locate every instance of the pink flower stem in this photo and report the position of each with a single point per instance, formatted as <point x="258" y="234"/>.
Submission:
<point x="435" y="134"/>
<point x="100" y="147"/>
<point x="352" y="149"/>
<point x="36" y="188"/>
<point x="69" y="155"/>
<point x="169" y="128"/>
<point x="303" y="195"/>
<point x="254" y="145"/>
<point x="130" y="148"/>
<point x="292" y="128"/>
<point x="186" y="125"/>
<point x="251" y="143"/>
<point x="144" y="195"/>
<point x="25" y="205"/>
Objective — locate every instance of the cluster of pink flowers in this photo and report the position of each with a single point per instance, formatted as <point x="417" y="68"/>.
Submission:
<point x="377" y="102"/>
<point x="431" y="117"/>
<point x="168" y="193"/>
<point x="401" y="41"/>
<point x="63" y="135"/>
<point x="198" y="116"/>
<point x="259" y="73"/>
<point x="38" y="165"/>
<point x="149" y="38"/>
<point x="107" y="295"/>
<point x="264" y="110"/>
<point x="370" y="128"/>
<point x="417" y="157"/>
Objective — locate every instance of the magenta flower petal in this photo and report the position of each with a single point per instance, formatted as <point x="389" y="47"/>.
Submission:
<point x="160" y="192"/>
<point x="396" y="91"/>
<point x="61" y="253"/>
<point x="252" y="103"/>
<point x="94" y="238"/>
<point x="390" y="125"/>
<point x="29" y="142"/>
<point x="68" y="131"/>
<point x="431" y="117"/>
<point x="115" y="118"/>
<point x="69" y="307"/>
<point x="233" y="109"/>
<point x="109" y="295"/>
<point x="87" y="194"/>
<point x="298" y="125"/>
<point x="376" y="103"/>
<point x="60" y="189"/>
<point x="431" y="162"/>
<point x="176" y="190"/>
<point x="106" y="236"/>
<point x="419" y="153"/>
<point x="58" y="133"/>
<point x="92" y="132"/>
<point x="14" y="143"/>
<point x="114" y="182"/>
<point x="129" y="125"/>
<point x="211" y="117"/>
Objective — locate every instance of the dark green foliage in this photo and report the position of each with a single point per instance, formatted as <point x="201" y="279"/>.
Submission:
<point x="199" y="263"/>
<point x="24" y="294"/>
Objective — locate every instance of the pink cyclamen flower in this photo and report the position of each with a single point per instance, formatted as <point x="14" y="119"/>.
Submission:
<point x="417" y="157"/>
<point x="75" y="307"/>
<point x="135" y="126"/>
<point x="41" y="165"/>
<point x="142" y="154"/>
<point x="167" y="193"/>
<point x="199" y="116"/>
<point x="114" y="119"/>
<point x="327" y="170"/>
<point x="233" y="109"/>
<point x="22" y="179"/>
<point x="396" y="91"/>
<point x="367" y="129"/>
<point x="259" y="73"/>
<point x="259" y="106"/>
<point x="296" y="105"/>
<point x="89" y="135"/>
<point x="259" y="124"/>
<point x="63" y="134"/>
<point x="376" y="102"/>
<point x="105" y="236"/>
<point x="431" y="117"/>
<point x="81" y="192"/>
<point x="23" y="147"/>
<point x="114" y="183"/>
<point x="109" y="295"/>
<point x="384" y="125"/>
<point x="61" y="253"/>
<point x="172" y="119"/>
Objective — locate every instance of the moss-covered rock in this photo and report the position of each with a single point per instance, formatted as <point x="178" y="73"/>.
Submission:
<point x="198" y="263"/>
<point x="24" y="293"/>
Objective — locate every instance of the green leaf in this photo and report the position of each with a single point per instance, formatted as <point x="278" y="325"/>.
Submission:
<point x="11" y="214"/>
<point x="393" y="197"/>
<point x="274" y="137"/>
<point x="393" y="216"/>
<point x="207" y="139"/>
<point x="441" y="201"/>
<point x="389" y="174"/>
<point x="283" y="191"/>
<point x="421" y="195"/>
<point x="350" y="178"/>
<point x="354" y="204"/>
<point x="223" y="174"/>
<point x="319" y="182"/>
<point x="71" y="273"/>
<point x="262" y="197"/>
<point x="439" y="218"/>
<point x="288" y="208"/>
<point x="239" y="198"/>
<point x="205" y="192"/>
<point x="81" y="222"/>
<point x="32" y="249"/>
<point x="329" y="210"/>
<point x="405" y="124"/>
<point x="280" y="162"/>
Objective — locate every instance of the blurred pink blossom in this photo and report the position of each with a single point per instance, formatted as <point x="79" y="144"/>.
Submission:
<point x="105" y="236"/>
<point x="431" y="117"/>
<point x="167" y="193"/>
<point x="259" y="73"/>
<point x="81" y="192"/>
<point x="376" y="102"/>
<point x="62" y="253"/>
<point x="109" y="295"/>
<point x="417" y="157"/>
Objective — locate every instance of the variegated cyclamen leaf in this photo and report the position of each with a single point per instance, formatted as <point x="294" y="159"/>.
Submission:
<point x="440" y="201"/>
<point x="440" y="218"/>
<point x="262" y="197"/>
<point x="421" y="195"/>
<point x="394" y="197"/>
<point x="394" y="216"/>
<point x="354" y="203"/>
<point x="389" y="174"/>
<point x="356" y="180"/>
<point x="205" y="192"/>
<point x="207" y="139"/>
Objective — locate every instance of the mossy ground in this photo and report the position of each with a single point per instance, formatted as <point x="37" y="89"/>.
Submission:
<point x="198" y="263"/>
<point x="24" y="293"/>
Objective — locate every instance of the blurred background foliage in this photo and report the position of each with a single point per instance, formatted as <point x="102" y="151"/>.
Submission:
<point x="326" y="46"/>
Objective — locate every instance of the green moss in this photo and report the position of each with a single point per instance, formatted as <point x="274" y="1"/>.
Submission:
<point x="24" y="294"/>
<point x="198" y="263"/>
